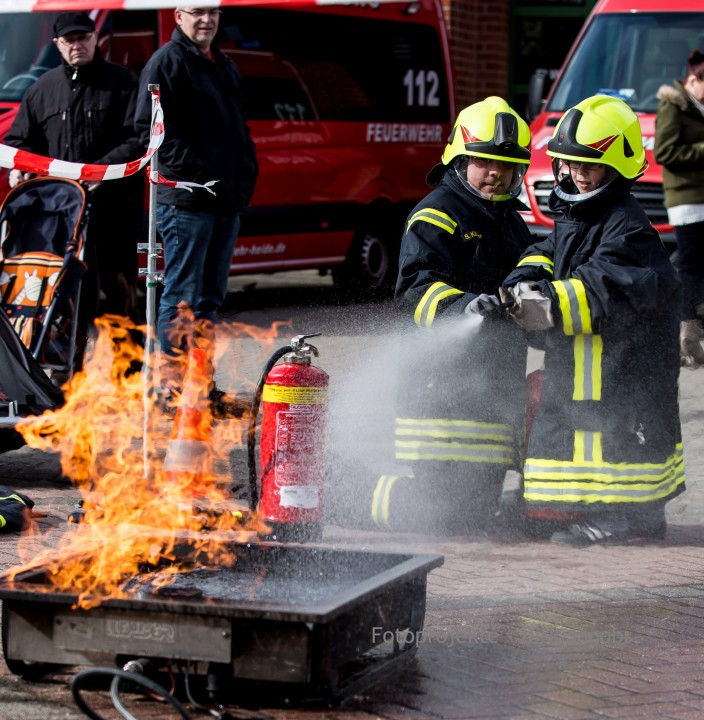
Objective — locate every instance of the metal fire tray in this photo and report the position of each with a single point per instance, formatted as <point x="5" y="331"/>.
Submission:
<point x="309" y="620"/>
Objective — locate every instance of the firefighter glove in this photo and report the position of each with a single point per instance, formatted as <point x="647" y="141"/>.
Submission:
<point x="532" y="309"/>
<point x="488" y="306"/>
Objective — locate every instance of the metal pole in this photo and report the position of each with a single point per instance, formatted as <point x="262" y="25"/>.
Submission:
<point x="3" y="235"/>
<point x="153" y="250"/>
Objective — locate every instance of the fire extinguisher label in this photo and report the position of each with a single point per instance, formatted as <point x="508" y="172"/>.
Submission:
<point x="297" y="470"/>
<point x="299" y="496"/>
<point x="294" y="395"/>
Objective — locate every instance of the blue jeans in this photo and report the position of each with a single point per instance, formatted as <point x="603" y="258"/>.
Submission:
<point x="198" y="249"/>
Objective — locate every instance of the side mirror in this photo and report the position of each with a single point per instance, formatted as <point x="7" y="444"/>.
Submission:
<point x="538" y="87"/>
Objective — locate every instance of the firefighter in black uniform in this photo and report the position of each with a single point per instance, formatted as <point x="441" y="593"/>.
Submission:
<point x="460" y="411"/>
<point x="606" y="442"/>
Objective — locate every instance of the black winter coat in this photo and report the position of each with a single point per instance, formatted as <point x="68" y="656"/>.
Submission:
<point x="607" y="430"/>
<point x="86" y="119"/>
<point x="206" y="133"/>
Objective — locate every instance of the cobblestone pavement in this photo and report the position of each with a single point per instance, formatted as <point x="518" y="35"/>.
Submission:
<point x="514" y="628"/>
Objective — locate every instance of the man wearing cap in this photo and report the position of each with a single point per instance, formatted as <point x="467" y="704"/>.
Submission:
<point x="83" y="111"/>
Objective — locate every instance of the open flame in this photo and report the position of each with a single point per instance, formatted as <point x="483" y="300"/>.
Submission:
<point x="113" y="440"/>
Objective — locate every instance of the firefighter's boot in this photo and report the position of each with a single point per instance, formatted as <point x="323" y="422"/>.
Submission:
<point x="691" y="336"/>
<point x="428" y="502"/>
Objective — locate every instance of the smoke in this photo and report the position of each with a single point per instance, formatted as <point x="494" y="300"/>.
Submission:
<point x="363" y="399"/>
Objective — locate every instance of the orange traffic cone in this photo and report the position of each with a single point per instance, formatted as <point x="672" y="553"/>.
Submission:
<point x="189" y="457"/>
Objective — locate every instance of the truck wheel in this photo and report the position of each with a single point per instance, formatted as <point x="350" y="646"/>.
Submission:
<point x="369" y="270"/>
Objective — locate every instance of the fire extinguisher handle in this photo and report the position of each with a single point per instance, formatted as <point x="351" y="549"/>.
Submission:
<point x="298" y="342"/>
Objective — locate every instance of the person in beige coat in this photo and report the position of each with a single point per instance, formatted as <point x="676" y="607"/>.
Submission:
<point x="679" y="148"/>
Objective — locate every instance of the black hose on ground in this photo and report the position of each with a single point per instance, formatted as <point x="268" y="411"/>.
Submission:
<point x="117" y="674"/>
<point x="252" y="429"/>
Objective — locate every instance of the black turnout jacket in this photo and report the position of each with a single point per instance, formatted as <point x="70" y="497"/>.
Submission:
<point x="458" y="241"/>
<point x="462" y="385"/>
<point x="607" y="431"/>
<point x="206" y="133"/>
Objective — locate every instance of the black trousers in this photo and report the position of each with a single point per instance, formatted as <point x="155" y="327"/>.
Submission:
<point x="689" y="263"/>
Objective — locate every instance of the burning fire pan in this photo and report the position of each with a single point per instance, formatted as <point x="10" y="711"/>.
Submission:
<point x="309" y="620"/>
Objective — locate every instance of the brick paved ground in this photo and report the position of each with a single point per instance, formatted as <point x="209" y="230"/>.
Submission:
<point x="514" y="629"/>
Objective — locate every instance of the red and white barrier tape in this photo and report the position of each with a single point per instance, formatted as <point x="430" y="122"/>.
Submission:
<point x="184" y="185"/>
<point x="16" y="6"/>
<point x="14" y="159"/>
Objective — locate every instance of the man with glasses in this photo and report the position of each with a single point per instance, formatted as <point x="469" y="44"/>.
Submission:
<point x="83" y="111"/>
<point x="206" y="140"/>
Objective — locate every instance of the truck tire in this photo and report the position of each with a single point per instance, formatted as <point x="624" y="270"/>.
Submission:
<point x="369" y="271"/>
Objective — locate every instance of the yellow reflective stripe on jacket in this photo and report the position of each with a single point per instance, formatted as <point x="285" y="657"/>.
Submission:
<point x="453" y="441"/>
<point x="537" y="261"/>
<point x="381" y="500"/>
<point x="587" y="446"/>
<point x="588" y="356"/>
<point x="428" y="305"/>
<point x="588" y="348"/>
<point x="584" y="481"/>
<point x="574" y="307"/>
<point x="434" y="217"/>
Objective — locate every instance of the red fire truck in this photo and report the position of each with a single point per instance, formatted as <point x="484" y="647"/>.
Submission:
<point x="627" y="48"/>
<point x="350" y="105"/>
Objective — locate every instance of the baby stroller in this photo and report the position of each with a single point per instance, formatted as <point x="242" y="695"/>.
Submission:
<point x="42" y="237"/>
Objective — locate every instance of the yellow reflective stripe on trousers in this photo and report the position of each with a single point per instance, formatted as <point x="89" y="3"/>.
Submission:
<point x="542" y="261"/>
<point x="434" y="217"/>
<point x="584" y="481"/>
<point x="428" y="305"/>
<point x="453" y="441"/>
<point x="381" y="500"/>
<point x="450" y="428"/>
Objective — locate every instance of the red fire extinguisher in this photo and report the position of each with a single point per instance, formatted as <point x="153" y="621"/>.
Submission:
<point x="293" y="397"/>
